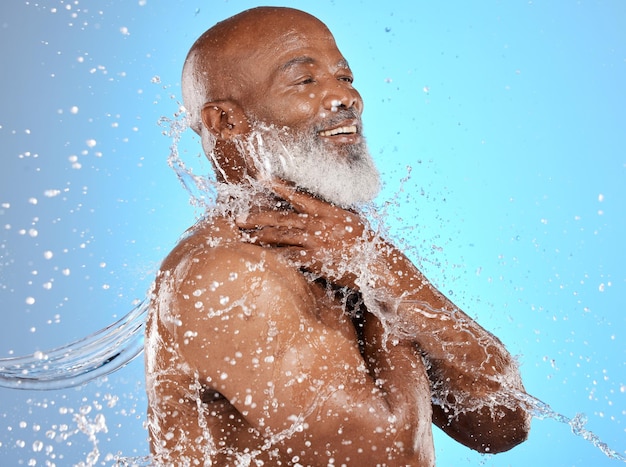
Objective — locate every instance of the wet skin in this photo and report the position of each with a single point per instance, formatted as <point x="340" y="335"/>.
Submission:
<point x="260" y="339"/>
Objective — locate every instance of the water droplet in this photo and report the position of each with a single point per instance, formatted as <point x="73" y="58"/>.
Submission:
<point x="51" y="193"/>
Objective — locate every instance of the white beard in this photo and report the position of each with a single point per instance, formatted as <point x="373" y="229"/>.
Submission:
<point x="345" y="178"/>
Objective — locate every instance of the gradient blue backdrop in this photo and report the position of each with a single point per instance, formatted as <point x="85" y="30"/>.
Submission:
<point x="512" y="116"/>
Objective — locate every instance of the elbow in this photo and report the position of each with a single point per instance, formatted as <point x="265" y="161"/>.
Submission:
<point x="490" y="430"/>
<point x="503" y="434"/>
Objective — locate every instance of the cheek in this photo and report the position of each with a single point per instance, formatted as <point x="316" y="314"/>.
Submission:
<point x="300" y="113"/>
<point x="305" y="108"/>
<point x="290" y="111"/>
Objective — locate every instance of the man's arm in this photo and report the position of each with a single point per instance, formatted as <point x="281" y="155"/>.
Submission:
<point x="473" y="377"/>
<point x="245" y="323"/>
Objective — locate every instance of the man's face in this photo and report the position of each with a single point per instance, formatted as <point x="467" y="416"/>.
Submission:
<point x="300" y="80"/>
<point x="310" y="114"/>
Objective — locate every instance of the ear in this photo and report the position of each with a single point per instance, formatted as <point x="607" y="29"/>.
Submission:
<point x="224" y="119"/>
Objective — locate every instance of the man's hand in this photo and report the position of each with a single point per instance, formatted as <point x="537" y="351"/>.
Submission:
<point x="316" y="235"/>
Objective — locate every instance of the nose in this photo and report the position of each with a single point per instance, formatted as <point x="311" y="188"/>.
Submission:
<point x="341" y="94"/>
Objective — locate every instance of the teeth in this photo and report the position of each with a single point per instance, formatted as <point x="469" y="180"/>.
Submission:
<point x="337" y="131"/>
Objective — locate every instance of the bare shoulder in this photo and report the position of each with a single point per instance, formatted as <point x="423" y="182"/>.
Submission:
<point x="211" y="278"/>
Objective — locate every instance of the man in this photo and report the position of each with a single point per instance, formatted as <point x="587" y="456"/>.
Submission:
<point x="284" y="330"/>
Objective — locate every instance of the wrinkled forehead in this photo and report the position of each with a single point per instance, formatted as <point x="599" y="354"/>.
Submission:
<point x="275" y="49"/>
<point x="287" y="34"/>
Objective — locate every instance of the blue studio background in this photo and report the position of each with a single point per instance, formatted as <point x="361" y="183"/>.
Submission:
<point x="511" y="116"/>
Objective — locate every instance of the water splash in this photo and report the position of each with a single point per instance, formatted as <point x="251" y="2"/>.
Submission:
<point x="541" y="411"/>
<point x="91" y="428"/>
<point x="91" y="357"/>
<point x="143" y="461"/>
<point x="200" y="187"/>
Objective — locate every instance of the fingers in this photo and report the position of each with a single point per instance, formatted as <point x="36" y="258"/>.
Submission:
<point x="292" y="228"/>
<point x="259" y="220"/>
<point x="281" y="236"/>
<point x="300" y="200"/>
<point x="305" y="203"/>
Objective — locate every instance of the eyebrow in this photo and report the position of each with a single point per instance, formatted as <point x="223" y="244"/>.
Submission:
<point x="306" y="60"/>
<point x="343" y="63"/>
<point x="302" y="60"/>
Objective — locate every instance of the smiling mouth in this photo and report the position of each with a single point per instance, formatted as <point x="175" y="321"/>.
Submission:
<point x="342" y="130"/>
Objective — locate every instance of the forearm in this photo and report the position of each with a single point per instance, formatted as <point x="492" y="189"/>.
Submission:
<point x="473" y="378"/>
<point x="464" y="358"/>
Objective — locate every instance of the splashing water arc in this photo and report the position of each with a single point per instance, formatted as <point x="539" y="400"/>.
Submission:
<point x="79" y="362"/>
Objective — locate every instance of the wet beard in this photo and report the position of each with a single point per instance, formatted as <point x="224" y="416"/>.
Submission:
<point x="345" y="175"/>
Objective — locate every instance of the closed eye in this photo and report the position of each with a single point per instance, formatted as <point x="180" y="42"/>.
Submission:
<point x="307" y="80"/>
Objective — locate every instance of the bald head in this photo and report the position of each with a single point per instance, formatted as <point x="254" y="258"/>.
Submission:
<point x="218" y="64"/>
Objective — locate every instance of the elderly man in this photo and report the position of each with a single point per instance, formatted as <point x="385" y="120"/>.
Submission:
<point x="284" y="329"/>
